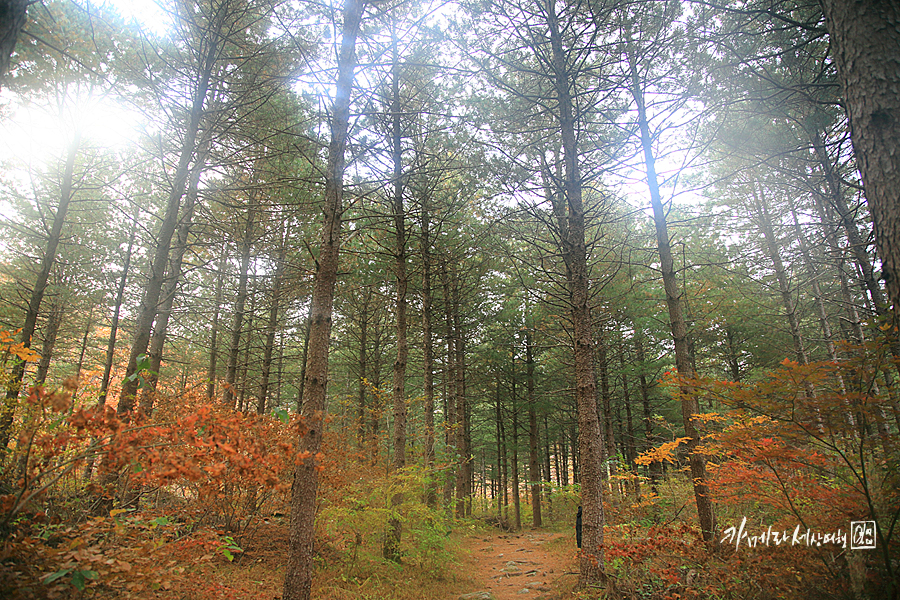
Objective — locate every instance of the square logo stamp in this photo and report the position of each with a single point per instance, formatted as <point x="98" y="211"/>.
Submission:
<point x="862" y="535"/>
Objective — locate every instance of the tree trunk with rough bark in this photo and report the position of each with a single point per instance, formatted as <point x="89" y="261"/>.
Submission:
<point x="299" y="567"/>
<point x="865" y="42"/>
<point x="13" y="16"/>
<point x="574" y="250"/>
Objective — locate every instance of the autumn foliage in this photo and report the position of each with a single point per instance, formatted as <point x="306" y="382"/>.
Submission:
<point x="89" y="498"/>
<point x="805" y="448"/>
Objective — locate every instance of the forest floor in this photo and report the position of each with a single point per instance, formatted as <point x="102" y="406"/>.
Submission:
<point x="487" y="564"/>
<point x="473" y="562"/>
<point x="535" y="564"/>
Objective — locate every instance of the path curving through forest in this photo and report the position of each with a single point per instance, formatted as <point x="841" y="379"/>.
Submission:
<point x="513" y="566"/>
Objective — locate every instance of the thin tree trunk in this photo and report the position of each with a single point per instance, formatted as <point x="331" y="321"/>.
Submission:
<point x="271" y="326"/>
<point x="630" y="449"/>
<point x="517" y="514"/>
<point x="450" y="382"/>
<point x="150" y="300"/>
<point x="173" y="279"/>
<point x="84" y="342"/>
<point x="501" y="450"/>
<point x="363" y="373"/>
<point x="391" y="550"/>
<point x="298" y="571"/>
<point x="683" y="359"/>
<point x="428" y="351"/>
<point x="771" y="248"/>
<point x="17" y="375"/>
<point x="51" y="329"/>
<point x="604" y="407"/>
<point x="243" y="402"/>
<point x="234" y="349"/>
<point x="211" y="374"/>
<point x="463" y="474"/>
<point x="547" y="469"/>
<point x="533" y="459"/>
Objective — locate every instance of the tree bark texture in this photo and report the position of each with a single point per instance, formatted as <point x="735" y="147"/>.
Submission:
<point x="865" y="42"/>
<point x="298" y="571"/>
<point x="574" y="250"/>
<point x="13" y="15"/>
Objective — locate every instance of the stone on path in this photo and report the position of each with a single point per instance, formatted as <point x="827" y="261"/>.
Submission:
<point x="511" y="567"/>
<point x="477" y="596"/>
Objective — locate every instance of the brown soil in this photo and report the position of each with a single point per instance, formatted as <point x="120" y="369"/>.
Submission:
<point x="536" y="565"/>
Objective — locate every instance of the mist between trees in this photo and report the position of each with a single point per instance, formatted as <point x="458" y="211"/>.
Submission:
<point x="441" y="247"/>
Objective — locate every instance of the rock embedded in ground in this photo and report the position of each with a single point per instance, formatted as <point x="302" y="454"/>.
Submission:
<point x="511" y="567"/>
<point x="477" y="596"/>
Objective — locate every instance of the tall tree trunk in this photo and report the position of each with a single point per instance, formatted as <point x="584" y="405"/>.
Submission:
<point x="501" y="449"/>
<point x="391" y="550"/>
<point x="298" y="572"/>
<point x="772" y="250"/>
<point x="211" y="374"/>
<point x="517" y="502"/>
<point x="428" y="350"/>
<point x="363" y="372"/>
<point x="683" y="359"/>
<point x="66" y="192"/>
<point x="463" y="445"/>
<point x="150" y="300"/>
<point x="173" y="279"/>
<point x="114" y="325"/>
<point x="547" y="469"/>
<point x="590" y="437"/>
<point x="271" y="326"/>
<point x="865" y="40"/>
<point x="450" y="382"/>
<point x="234" y="349"/>
<point x="534" y="467"/>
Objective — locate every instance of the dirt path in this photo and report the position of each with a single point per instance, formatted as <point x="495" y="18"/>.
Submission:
<point x="533" y="564"/>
